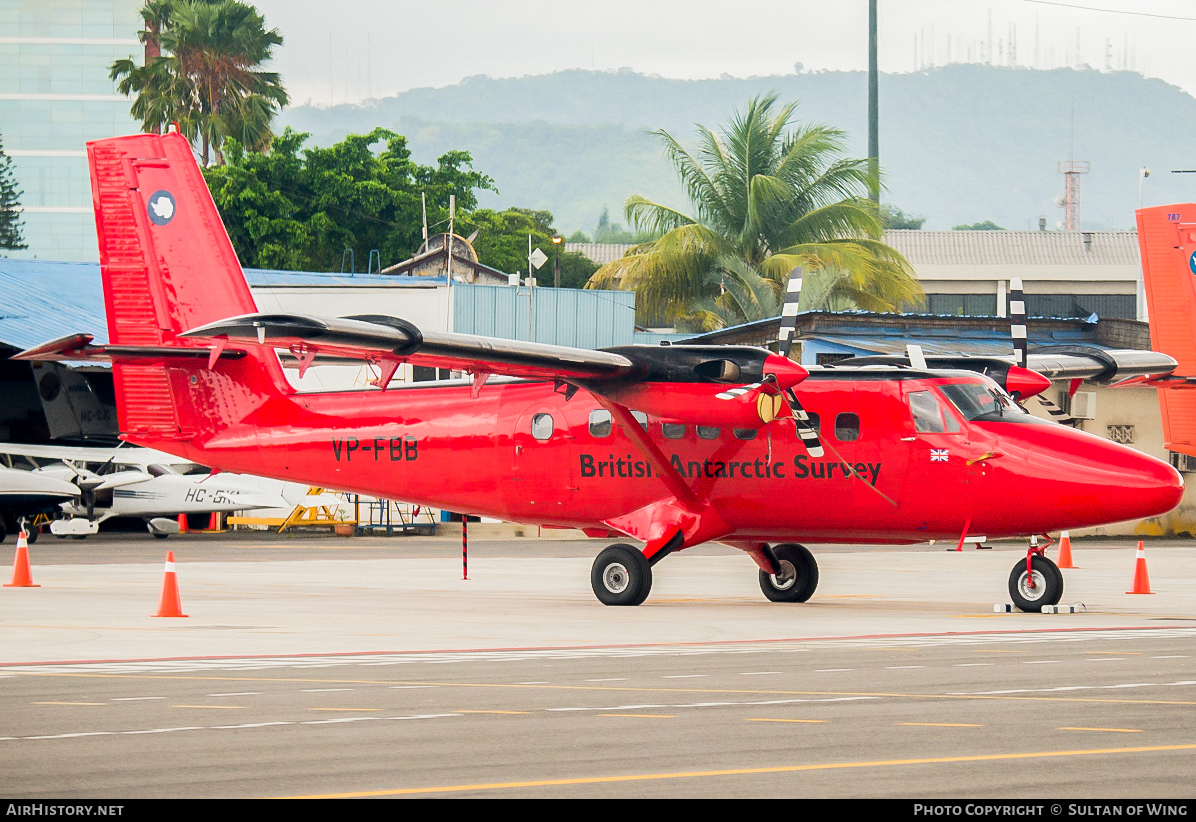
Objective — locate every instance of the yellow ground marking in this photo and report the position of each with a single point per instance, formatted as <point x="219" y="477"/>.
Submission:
<point x="990" y="651"/>
<point x="354" y="710"/>
<point x="70" y="703"/>
<point x="492" y="712"/>
<point x="645" y="716"/>
<point x="613" y="688"/>
<point x="803" y="721"/>
<point x="942" y="724"/>
<point x="826" y="766"/>
<point x="853" y="596"/>
<point x="1109" y="730"/>
<point x="217" y="707"/>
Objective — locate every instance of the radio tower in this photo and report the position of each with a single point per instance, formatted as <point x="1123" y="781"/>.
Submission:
<point x="1071" y="171"/>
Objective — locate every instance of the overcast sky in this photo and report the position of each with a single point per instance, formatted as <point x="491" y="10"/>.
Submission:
<point x="351" y="50"/>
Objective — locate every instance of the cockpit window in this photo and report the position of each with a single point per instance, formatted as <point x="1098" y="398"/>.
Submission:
<point x="978" y="401"/>
<point x="929" y="415"/>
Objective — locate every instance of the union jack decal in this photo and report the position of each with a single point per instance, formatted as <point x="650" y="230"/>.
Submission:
<point x="939" y="454"/>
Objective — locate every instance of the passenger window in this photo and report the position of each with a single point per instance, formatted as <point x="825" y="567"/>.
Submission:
<point x="542" y="426"/>
<point x="930" y="415"/>
<point x="600" y="423"/>
<point x="746" y="433"/>
<point x="847" y="428"/>
<point x="705" y="432"/>
<point x="641" y="418"/>
<point x="673" y="431"/>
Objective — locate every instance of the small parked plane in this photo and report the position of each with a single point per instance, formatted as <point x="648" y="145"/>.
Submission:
<point x="133" y="482"/>
<point x="673" y="446"/>
<point x="24" y="495"/>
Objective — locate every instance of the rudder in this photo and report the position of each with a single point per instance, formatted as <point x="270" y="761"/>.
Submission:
<point x="1167" y="242"/>
<point x="168" y="266"/>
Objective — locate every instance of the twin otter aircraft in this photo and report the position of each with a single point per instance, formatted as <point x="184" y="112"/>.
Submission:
<point x="672" y="446"/>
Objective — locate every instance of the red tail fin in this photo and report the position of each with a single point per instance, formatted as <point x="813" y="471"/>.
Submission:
<point x="168" y="266"/>
<point x="1167" y="240"/>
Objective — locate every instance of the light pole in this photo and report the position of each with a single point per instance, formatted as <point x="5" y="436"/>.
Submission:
<point x="557" y="240"/>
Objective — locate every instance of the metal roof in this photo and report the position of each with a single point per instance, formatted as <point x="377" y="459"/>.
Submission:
<point x="976" y="247"/>
<point x="42" y="300"/>
<point x="1015" y="247"/>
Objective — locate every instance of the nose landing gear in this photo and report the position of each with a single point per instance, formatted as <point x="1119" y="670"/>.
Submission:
<point x="1035" y="581"/>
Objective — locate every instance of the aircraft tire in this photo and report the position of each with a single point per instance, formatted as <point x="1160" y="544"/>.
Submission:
<point x="31" y="535"/>
<point x="158" y="535"/>
<point x="1049" y="582"/>
<point x="621" y="575"/>
<point x="800" y="587"/>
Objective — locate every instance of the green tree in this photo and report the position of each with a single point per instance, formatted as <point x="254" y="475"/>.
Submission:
<point x="987" y="225"/>
<point x="210" y="80"/>
<point x="608" y="232"/>
<point x="300" y="208"/>
<point x="767" y="199"/>
<point x="502" y="243"/>
<point x="11" y="238"/>
<point x="894" y="218"/>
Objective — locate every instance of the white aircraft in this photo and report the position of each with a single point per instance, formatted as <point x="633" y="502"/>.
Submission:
<point x="24" y="495"/>
<point x="134" y="482"/>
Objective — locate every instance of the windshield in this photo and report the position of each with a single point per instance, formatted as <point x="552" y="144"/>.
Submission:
<point x="980" y="401"/>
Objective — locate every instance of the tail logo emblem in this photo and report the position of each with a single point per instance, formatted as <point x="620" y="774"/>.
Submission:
<point x="1192" y="262"/>
<point x="161" y="207"/>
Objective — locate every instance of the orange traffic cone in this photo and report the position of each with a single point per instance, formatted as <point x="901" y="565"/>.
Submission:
<point x="182" y="523"/>
<point x="1141" y="578"/>
<point x="214" y="522"/>
<point x="1065" y="551"/>
<point x="170" y="604"/>
<point x="22" y="575"/>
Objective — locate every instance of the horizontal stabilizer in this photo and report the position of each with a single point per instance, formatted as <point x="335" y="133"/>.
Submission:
<point x="78" y="347"/>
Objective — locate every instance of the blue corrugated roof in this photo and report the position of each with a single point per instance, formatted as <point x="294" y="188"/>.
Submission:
<point x="42" y="300"/>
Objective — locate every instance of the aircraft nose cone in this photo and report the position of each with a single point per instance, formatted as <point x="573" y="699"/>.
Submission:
<point x="1133" y="486"/>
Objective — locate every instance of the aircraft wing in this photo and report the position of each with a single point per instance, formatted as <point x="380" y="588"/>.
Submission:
<point x="392" y="339"/>
<point x="139" y="457"/>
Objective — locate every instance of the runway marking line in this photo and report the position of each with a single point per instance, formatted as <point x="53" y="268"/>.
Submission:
<point x="823" y="766"/>
<point x="69" y="703"/>
<point x="1175" y="656"/>
<point x="628" y="645"/>
<point x="644" y="716"/>
<point x="871" y="694"/>
<point x="801" y="721"/>
<point x="238" y="693"/>
<point x="902" y="667"/>
<point x="942" y="724"/>
<point x="350" y="710"/>
<point x="217" y="707"/>
<point x="1107" y="730"/>
<point x="134" y="698"/>
<point x="973" y="664"/>
<point x="463" y="711"/>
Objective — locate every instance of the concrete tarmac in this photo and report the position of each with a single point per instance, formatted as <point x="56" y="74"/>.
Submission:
<point x="368" y="667"/>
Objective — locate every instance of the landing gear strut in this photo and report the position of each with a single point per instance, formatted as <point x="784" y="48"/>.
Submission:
<point x="1035" y="581"/>
<point x="798" y="575"/>
<point x="621" y="576"/>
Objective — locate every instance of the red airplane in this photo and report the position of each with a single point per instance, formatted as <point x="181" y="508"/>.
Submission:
<point x="672" y="446"/>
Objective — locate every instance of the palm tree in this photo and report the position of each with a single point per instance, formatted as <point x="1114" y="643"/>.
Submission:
<point x="767" y="199"/>
<point x="210" y="81"/>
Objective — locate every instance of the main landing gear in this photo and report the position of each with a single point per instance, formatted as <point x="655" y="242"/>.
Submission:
<point x="622" y="575"/>
<point x="798" y="575"/>
<point x="1035" y="581"/>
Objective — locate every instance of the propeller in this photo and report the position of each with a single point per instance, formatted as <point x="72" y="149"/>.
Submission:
<point x="1017" y="330"/>
<point x="801" y="420"/>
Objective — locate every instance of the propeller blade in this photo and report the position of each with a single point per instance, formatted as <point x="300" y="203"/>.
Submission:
<point x="1056" y="413"/>
<point x="1017" y="320"/>
<point x="805" y="431"/>
<point x="789" y="313"/>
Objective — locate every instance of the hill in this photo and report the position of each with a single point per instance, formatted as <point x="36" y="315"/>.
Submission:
<point x="959" y="144"/>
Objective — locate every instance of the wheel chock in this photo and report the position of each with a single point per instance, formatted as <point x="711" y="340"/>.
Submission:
<point x="1074" y="608"/>
<point x="1002" y="608"/>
